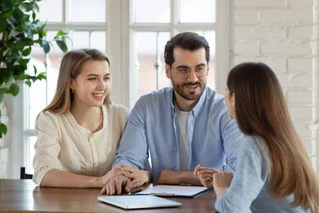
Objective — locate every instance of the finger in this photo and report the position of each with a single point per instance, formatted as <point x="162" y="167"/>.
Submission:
<point x="112" y="188"/>
<point x="120" y="172"/>
<point x="206" y="176"/>
<point x="196" y="169"/>
<point x="128" y="168"/>
<point x="103" y="191"/>
<point x="127" y="186"/>
<point x="108" y="189"/>
<point x="135" y="183"/>
<point x="132" y="175"/>
<point x="118" y="187"/>
<point x="205" y="172"/>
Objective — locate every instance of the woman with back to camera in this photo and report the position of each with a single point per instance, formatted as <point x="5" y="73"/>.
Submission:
<point x="273" y="173"/>
<point x="79" y="131"/>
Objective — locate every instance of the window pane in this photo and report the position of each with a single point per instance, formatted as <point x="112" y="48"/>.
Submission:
<point x="154" y="11"/>
<point x="98" y="41"/>
<point x="50" y="10"/>
<point x="197" y="11"/>
<point x="42" y="92"/>
<point x="146" y="61"/>
<point x="30" y="154"/>
<point x="89" y="39"/>
<point x="88" y="11"/>
<point x="210" y="37"/>
<point x="80" y="39"/>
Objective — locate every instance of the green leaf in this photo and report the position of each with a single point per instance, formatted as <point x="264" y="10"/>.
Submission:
<point x="14" y="89"/>
<point x="27" y="51"/>
<point x="3" y="129"/>
<point x="3" y="25"/>
<point x="28" y="83"/>
<point x="1" y="95"/>
<point x="45" y="45"/>
<point x="34" y="15"/>
<point x="23" y="77"/>
<point x="61" y="33"/>
<point x="26" y="6"/>
<point x="7" y="14"/>
<point x="62" y="45"/>
<point x="42" y="75"/>
<point x="35" y="69"/>
<point x="5" y="89"/>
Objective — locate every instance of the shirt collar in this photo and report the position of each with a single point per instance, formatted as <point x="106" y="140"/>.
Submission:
<point x="197" y="107"/>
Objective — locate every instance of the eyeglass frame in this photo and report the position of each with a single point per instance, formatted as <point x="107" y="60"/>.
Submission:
<point x="189" y="70"/>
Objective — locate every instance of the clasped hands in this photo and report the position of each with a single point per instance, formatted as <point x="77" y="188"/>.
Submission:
<point x="211" y="178"/>
<point x="123" y="179"/>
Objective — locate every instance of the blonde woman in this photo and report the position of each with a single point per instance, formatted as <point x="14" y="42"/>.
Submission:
<point x="79" y="131"/>
<point x="273" y="171"/>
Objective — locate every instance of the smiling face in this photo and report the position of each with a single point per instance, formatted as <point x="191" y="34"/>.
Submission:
<point x="92" y="85"/>
<point x="191" y="87"/>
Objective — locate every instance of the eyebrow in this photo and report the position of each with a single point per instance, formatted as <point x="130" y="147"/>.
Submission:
<point x="198" y="65"/>
<point x="95" y="75"/>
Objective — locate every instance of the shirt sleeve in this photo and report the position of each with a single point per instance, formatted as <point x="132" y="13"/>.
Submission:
<point x="47" y="147"/>
<point x="133" y="148"/>
<point x="250" y="177"/>
<point x="232" y="138"/>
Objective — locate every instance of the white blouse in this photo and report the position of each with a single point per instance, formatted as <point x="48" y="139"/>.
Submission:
<point x="65" y="145"/>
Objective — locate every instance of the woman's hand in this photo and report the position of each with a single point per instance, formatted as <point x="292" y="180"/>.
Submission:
<point x="205" y="175"/>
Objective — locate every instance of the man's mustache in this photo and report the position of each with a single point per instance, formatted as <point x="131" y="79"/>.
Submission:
<point x="192" y="84"/>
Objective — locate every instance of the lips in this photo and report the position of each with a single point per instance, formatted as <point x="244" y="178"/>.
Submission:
<point x="192" y="85"/>
<point x="98" y="95"/>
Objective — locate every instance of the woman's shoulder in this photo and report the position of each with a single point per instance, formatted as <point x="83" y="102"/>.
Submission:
<point x="47" y="115"/>
<point x="117" y="109"/>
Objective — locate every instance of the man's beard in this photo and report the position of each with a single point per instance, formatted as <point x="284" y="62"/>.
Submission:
<point x="191" y="96"/>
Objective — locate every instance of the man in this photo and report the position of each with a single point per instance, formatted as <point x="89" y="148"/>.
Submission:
<point x="180" y="127"/>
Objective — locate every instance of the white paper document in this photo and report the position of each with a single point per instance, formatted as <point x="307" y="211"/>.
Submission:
<point x="174" y="191"/>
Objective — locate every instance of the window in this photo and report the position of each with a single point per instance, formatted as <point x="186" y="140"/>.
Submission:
<point x="133" y="37"/>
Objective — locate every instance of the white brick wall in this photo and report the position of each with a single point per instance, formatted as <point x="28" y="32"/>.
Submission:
<point x="282" y="34"/>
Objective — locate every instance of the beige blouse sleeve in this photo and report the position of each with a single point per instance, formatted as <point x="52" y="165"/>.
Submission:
<point x="47" y="147"/>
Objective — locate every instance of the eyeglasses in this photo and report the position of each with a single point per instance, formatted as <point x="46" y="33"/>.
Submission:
<point x="184" y="72"/>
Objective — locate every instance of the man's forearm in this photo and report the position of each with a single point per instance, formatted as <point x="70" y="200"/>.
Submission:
<point x="177" y="178"/>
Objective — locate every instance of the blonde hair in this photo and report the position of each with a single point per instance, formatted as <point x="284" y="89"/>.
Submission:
<point x="71" y="66"/>
<point x="261" y="110"/>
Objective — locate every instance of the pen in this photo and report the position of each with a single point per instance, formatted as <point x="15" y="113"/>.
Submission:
<point x="163" y="194"/>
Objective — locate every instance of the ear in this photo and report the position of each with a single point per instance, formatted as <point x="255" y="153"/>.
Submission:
<point x="232" y="99"/>
<point x="168" y="71"/>
<point x="71" y="84"/>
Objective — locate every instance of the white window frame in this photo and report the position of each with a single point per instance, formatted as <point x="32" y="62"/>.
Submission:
<point x="120" y="51"/>
<point x="222" y="28"/>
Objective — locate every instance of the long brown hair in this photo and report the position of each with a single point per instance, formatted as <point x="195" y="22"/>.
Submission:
<point x="71" y="66"/>
<point x="261" y="110"/>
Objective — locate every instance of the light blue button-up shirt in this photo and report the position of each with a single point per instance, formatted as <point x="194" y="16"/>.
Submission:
<point x="153" y="128"/>
<point x="249" y="189"/>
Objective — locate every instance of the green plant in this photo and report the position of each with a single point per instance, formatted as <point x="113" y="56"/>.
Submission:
<point x="20" y="30"/>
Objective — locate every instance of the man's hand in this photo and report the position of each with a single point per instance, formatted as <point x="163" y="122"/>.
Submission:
<point x="116" y="171"/>
<point x="221" y="181"/>
<point x="205" y="175"/>
<point x="116" y="185"/>
<point x="137" y="177"/>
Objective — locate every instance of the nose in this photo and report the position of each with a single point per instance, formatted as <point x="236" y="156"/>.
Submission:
<point x="101" y="84"/>
<point x="192" y="76"/>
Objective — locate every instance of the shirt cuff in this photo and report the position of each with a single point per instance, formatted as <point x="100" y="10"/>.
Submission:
<point x="39" y="175"/>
